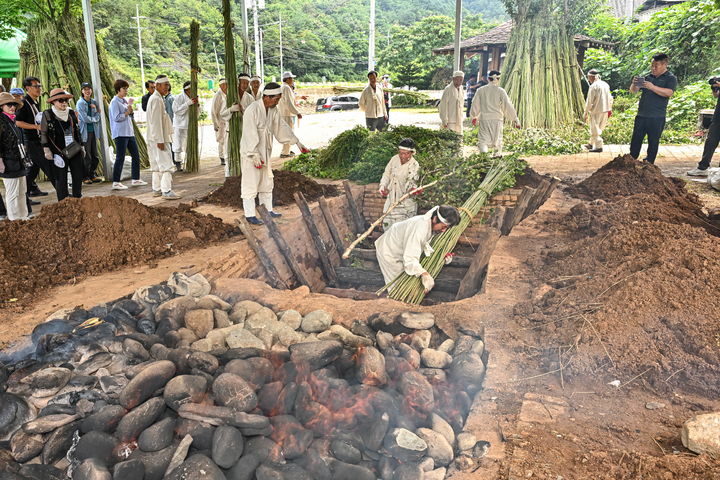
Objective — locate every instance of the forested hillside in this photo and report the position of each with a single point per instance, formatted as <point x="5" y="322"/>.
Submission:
<point x="321" y="38"/>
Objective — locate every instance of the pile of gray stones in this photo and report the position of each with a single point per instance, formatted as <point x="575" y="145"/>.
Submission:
<point x="177" y="383"/>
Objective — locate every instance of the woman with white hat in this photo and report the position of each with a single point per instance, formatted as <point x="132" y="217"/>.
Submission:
<point x="12" y="159"/>
<point x="62" y="143"/>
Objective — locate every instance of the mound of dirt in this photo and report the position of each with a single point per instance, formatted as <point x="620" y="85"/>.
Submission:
<point x="625" y="176"/>
<point x="630" y="287"/>
<point x="286" y="184"/>
<point x="87" y="236"/>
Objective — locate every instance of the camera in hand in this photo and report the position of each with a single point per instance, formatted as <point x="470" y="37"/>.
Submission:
<point x="712" y="83"/>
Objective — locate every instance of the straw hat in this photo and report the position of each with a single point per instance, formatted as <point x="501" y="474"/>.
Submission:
<point x="58" y="94"/>
<point x="6" y="98"/>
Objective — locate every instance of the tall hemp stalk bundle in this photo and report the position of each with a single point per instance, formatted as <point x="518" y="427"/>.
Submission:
<point x="56" y="53"/>
<point x="541" y="71"/>
<point x="408" y="288"/>
<point x="193" y="145"/>
<point x="235" y="133"/>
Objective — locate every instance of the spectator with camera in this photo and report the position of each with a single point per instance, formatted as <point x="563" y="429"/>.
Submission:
<point x="713" y="135"/>
<point x="657" y="88"/>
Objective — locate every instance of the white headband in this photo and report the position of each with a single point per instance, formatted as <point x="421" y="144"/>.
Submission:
<point x="273" y="91"/>
<point x="162" y="80"/>
<point x="222" y="82"/>
<point x="254" y="77"/>
<point x="440" y="217"/>
<point x="458" y="73"/>
<point x="407" y="149"/>
<point x="245" y="77"/>
<point x="492" y="77"/>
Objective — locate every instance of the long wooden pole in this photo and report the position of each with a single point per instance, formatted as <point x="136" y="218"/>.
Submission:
<point x="377" y="222"/>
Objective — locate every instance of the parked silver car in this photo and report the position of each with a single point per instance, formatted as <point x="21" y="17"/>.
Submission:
<point x="342" y="102"/>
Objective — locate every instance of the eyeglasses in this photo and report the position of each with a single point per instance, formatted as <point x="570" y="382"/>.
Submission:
<point x="62" y="100"/>
<point x="37" y="85"/>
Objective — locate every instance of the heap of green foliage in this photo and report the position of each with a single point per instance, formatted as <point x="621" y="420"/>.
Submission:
<point x="361" y="156"/>
<point x="538" y="141"/>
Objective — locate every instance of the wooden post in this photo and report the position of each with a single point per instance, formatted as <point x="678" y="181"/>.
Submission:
<point x="282" y="246"/>
<point x="334" y="233"/>
<point x="352" y="205"/>
<point x="325" y="265"/>
<point x="270" y="271"/>
<point x="515" y="214"/>
<point x="537" y="198"/>
<point x="474" y="280"/>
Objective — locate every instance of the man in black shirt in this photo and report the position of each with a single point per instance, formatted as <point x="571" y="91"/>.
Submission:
<point x="28" y="119"/>
<point x="657" y="88"/>
<point x="713" y="137"/>
<point x="150" y="86"/>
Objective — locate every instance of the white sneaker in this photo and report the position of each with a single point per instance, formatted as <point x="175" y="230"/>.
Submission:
<point x="138" y="183"/>
<point x="118" y="186"/>
<point x="170" y="195"/>
<point x="696" y="172"/>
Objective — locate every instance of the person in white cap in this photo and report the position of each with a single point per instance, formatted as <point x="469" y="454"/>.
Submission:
<point x="238" y="108"/>
<point x="255" y="84"/>
<point x="451" y="104"/>
<point x="598" y="108"/>
<point x="159" y="136"/>
<point x="490" y="107"/>
<point x="288" y="109"/>
<point x="399" y="249"/>
<point x="262" y="122"/>
<point x="218" y="103"/>
<point x="181" y="107"/>
<point x="372" y="102"/>
<point x="400" y="177"/>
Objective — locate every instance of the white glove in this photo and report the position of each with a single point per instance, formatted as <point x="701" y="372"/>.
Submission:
<point x="449" y="258"/>
<point x="48" y="153"/>
<point x="58" y="160"/>
<point x="257" y="161"/>
<point x="427" y="281"/>
<point x="235" y="108"/>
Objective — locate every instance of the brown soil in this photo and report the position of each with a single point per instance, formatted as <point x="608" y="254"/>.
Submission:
<point x="80" y="237"/>
<point x="286" y="184"/>
<point x="529" y="178"/>
<point x="631" y="285"/>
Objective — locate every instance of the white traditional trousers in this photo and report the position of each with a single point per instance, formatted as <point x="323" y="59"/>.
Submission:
<point x="286" y="146"/>
<point x="15" y="201"/>
<point x="598" y="122"/>
<point x="490" y="135"/>
<point x="456" y="127"/>
<point x="162" y="166"/>
<point x="220" y="137"/>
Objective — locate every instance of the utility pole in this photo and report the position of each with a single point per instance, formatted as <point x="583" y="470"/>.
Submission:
<point x="371" y="39"/>
<point x="142" y="64"/>
<point x="262" y="56"/>
<point x="246" y="37"/>
<point x="97" y="83"/>
<point x="257" y="40"/>
<point x="282" y="68"/>
<point x="458" y="28"/>
<point x="217" y="62"/>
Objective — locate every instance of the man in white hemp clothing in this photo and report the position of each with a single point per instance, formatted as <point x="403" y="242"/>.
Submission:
<point x="262" y="122"/>
<point x="238" y="108"/>
<point x="287" y="108"/>
<point x="159" y="136"/>
<point x="490" y="107"/>
<point x="399" y="249"/>
<point x="372" y="102"/>
<point x="255" y="89"/>
<point x="400" y="177"/>
<point x="218" y="103"/>
<point x="598" y="108"/>
<point x="451" y="104"/>
<point x="181" y="117"/>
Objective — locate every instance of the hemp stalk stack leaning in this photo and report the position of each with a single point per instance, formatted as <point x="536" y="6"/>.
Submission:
<point x="193" y="145"/>
<point x="235" y="133"/>
<point x="409" y="289"/>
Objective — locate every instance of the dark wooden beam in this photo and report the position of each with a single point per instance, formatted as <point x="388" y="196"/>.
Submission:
<point x="474" y="280"/>
<point x="515" y="214"/>
<point x="334" y="232"/>
<point x="270" y="271"/>
<point x="370" y="255"/>
<point x="357" y="217"/>
<point x="325" y="264"/>
<point x="359" y="277"/>
<point x="283" y="247"/>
